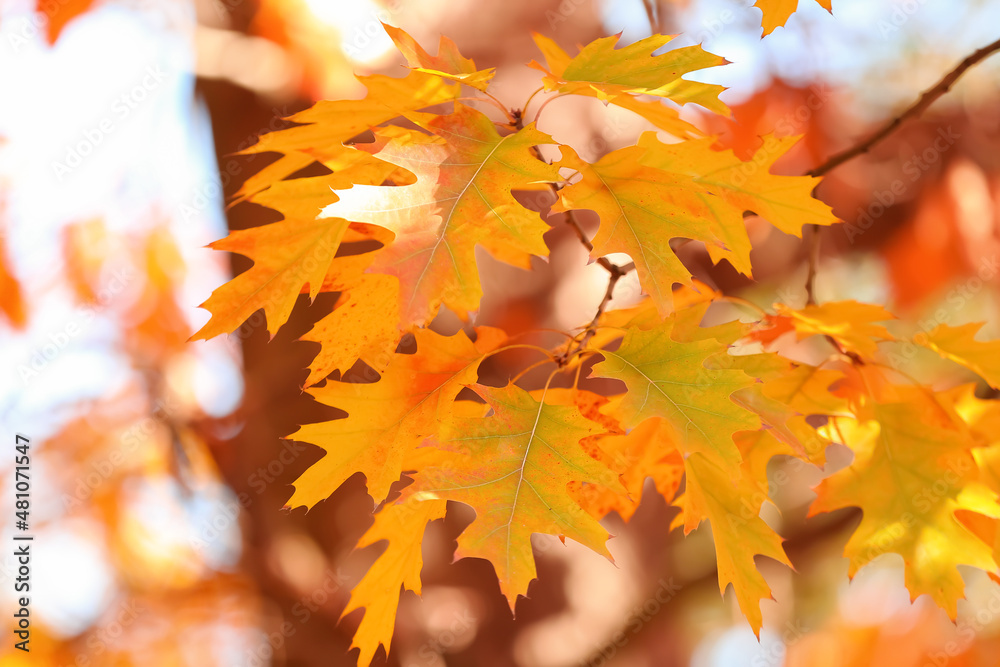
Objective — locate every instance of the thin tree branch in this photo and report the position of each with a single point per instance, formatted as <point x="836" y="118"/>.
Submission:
<point x="917" y="108"/>
<point x="930" y="96"/>
<point x="616" y="274"/>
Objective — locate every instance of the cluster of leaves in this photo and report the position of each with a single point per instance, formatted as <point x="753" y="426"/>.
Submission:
<point x="393" y="228"/>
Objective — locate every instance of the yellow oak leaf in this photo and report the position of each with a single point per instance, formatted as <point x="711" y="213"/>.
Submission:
<point x="784" y="201"/>
<point x="643" y="208"/>
<point x="600" y="70"/>
<point x="448" y="64"/>
<point x="776" y="12"/>
<point x="461" y="198"/>
<point x="364" y="325"/>
<point x="909" y="477"/>
<point x="388" y="418"/>
<point x="733" y="508"/>
<point x="669" y="379"/>
<point x="960" y="345"/>
<point x="513" y="468"/>
<point x="402" y="525"/>
<point x="848" y="322"/>
<point x="659" y="114"/>
<point x="981" y="417"/>
<point x="645" y="316"/>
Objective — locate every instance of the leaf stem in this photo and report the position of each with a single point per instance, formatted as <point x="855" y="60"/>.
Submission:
<point x="530" y="368"/>
<point x="524" y="110"/>
<point x="545" y="104"/>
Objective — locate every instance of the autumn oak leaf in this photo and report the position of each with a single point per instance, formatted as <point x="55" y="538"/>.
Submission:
<point x="448" y="64"/>
<point x="669" y="380"/>
<point x="388" y="418"/>
<point x="909" y="477"/>
<point x="776" y="12"/>
<point x="960" y="345"/>
<point x="603" y="71"/>
<point x="513" y="467"/>
<point x="733" y="508"/>
<point x="465" y="173"/>
<point x="398" y="567"/>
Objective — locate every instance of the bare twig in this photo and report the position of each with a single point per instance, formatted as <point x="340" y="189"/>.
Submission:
<point x="616" y="274"/>
<point x="582" y="235"/>
<point x="915" y="110"/>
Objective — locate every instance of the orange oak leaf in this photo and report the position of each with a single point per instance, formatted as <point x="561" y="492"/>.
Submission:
<point x="398" y="567"/>
<point x="513" y="468"/>
<point x="776" y="12"/>
<point x="448" y="64"/>
<point x="462" y="197"/>
<point x="649" y="194"/>
<point x="388" y="418"/>
<point x="305" y="198"/>
<point x="288" y="256"/>
<point x="645" y="452"/>
<point x="643" y="208"/>
<point x="784" y="201"/>
<point x="364" y="325"/>
<point x="324" y="128"/>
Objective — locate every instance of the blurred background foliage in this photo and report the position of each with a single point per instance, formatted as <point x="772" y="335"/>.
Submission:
<point x="159" y="475"/>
